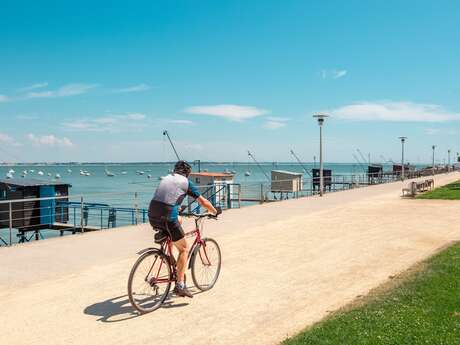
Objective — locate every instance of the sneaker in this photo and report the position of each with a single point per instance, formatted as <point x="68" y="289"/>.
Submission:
<point x="182" y="292"/>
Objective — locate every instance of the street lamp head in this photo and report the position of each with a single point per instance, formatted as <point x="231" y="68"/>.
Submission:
<point x="433" y="147"/>
<point x="403" y="139"/>
<point x="320" y="118"/>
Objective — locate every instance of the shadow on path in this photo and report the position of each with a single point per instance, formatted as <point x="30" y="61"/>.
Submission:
<point x="119" y="308"/>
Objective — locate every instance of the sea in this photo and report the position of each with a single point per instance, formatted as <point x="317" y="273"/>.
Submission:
<point x="133" y="184"/>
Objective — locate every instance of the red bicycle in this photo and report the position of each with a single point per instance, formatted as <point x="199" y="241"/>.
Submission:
<point x="150" y="279"/>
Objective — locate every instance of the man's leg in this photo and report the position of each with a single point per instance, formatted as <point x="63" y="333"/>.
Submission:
<point x="182" y="247"/>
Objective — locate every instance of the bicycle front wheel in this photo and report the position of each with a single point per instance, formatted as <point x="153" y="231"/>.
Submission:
<point x="206" y="264"/>
<point x="149" y="281"/>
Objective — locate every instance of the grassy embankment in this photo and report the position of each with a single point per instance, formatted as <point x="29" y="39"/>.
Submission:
<point x="447" y="192"/>
<point x="420" y="307"/>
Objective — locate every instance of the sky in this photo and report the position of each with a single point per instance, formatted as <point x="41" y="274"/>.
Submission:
<point x="100" y="81"/>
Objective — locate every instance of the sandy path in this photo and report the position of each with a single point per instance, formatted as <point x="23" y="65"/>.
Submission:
<point x="285" y="265"/>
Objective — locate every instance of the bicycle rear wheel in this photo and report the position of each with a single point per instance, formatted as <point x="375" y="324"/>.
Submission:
<point x="149" y="281"/>
<point x="205" y="264"/>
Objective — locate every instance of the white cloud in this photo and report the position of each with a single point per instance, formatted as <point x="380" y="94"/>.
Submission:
<point x="333" y="74"/>
<point x="135" y="88"/>
<point x="275" y="122"/>
<point x="109" y="123"/>
<point x="63" y="91"/>
<point x="5" y="139"/>
<point x="395" y="112"/>
<point x="3" y="99"/>
<point x="229" y="111"/>
<point x="49" y="140"/>
<point x="34" y="86"/>
<point x="182" y="122"/>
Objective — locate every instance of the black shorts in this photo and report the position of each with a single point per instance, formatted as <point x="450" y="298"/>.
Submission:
<point x="173" y="228"/>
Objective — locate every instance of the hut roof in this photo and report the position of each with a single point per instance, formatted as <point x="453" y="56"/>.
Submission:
<point x="29" y="182"/>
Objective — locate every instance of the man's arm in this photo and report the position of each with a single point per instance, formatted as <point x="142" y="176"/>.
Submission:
<point x="206" y="204"/>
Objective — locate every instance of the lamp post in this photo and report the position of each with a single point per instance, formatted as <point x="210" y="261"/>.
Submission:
<point x="433" y="147"/>
<point x="403" y="140"/>
<point x="320" y="118"/>
<point x="448" y="160"/>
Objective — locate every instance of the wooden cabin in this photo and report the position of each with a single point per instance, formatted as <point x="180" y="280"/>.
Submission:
<point x="327" y="178"/>
<point x="286" y="181"/>
<point x="32" y="215"/>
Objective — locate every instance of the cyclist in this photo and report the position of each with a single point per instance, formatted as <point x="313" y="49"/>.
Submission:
<point x="164" y="215"/>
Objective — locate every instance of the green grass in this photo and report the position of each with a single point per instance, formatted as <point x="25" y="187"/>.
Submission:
<point x="423" y="308"/>
<point x="447" y="192"/>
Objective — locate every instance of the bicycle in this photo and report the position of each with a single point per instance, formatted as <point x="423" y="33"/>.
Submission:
<point x="153" y="272"/>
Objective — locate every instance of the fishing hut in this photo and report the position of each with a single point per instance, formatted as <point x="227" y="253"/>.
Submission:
<point x="34" y="215"/>
<point x="374" y="173"/>
<point x="286" y="183"/>
<point x="327" y="179"/>
<point x="217" y="187"/>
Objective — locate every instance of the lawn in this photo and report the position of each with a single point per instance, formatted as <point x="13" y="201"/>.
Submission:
<point x="422" y="307"/>
<point x="447" y="192"/>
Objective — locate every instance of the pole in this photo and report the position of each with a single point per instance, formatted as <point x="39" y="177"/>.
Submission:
<point x="448" y="160"/>
<point x="82" y="223"/>
<point x="136" y="208"/>
<point x="165" y="132"/>
<point x="433" y="147"/>
<point x="403" y="140"/>
<point x="301" y="164"/>
<point x="11" y="222"/>
<point x="321" y="180"/>
<point x="320" y="118"/>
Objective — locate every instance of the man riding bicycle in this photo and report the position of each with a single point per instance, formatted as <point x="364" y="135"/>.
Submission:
<point x="164" y="215"/>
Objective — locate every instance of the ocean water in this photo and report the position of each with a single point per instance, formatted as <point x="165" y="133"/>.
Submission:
<point x="129" y="188"/>
<point x="118" y="190"/>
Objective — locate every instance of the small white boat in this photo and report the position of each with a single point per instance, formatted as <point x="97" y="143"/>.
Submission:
<point x="49" y="174"/>
<point x="124" y="172"/>
<point x="140" y="172"/>
<point x="69" y="171"/>
<point x="9" y="175"/>
<point x="41" y="173"/>
<point x="57" y="177"/>
<point x="24" y="172"/>
<point x="82" y="173"/>
<point x="87" y="173"/>
<point x="31" y="170"/>
<point x="11" y="171"/>
<point x="233" y="172"/>
<point x="109" y="173"/>
<point x="149" y="176"/>
<point x="247" y="173"/>
<point x="226" y="171"/>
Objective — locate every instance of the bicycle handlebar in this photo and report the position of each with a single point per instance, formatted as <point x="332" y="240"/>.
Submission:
<point x="199" y="215"/>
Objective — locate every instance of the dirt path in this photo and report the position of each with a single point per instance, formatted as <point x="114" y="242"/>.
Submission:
<point x="285" y="265"/>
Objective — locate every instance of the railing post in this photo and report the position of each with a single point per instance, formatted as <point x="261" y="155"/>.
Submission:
<point x="136" y="208"/>
<point x="262" y="193"/>
<point x="11" y="222"/>
<point x="82" y="222"/>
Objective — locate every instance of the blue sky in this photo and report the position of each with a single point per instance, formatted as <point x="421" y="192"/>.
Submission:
<point x="93" y="81"/>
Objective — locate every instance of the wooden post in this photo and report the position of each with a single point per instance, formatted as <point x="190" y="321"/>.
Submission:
<point x="261" y="193"/>
<point x="136" y="208"/>
<point x="82" y="223"/>
<point x="11" y="222"/>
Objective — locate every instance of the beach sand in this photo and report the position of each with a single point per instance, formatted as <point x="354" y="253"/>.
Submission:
<point x="285" y="265"/>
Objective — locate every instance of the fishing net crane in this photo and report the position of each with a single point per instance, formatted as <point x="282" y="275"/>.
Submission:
<point x="166" y="134"/>
<point x="301" y="164"/>
<point x="260" y="167"/>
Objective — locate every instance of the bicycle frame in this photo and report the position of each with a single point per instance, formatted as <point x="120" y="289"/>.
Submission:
<point x="167" y="248"/>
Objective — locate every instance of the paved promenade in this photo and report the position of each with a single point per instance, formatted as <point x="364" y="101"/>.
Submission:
<point x="285" y="265"/>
